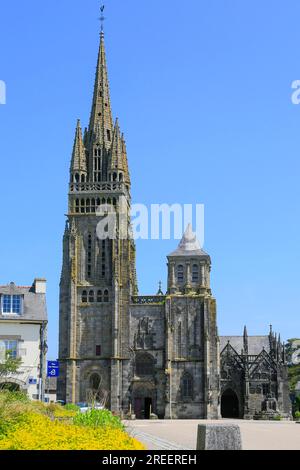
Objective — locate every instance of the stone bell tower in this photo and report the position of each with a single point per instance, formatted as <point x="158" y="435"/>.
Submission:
<point x="192" y="348"/>
<point x="98" y="274"/>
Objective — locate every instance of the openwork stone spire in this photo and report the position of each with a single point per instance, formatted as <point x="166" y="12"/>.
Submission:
<point x="101" y="115"/>
<point x="78" y="163"/>
<point x="116" y="160"/>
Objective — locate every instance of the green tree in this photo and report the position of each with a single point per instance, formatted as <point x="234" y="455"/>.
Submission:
<point x="8" y="367"/>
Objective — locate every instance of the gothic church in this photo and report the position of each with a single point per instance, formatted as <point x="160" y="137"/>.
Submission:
<point x="149" y="356"/>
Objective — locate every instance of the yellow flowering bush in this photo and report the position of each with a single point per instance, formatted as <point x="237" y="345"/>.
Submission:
<point x="26" y="425"/>
<point x="39" y="432"/>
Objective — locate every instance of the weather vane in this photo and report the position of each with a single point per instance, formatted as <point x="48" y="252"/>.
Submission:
<point x="102" y="17"/>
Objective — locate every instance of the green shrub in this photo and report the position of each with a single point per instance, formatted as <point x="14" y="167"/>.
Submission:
<point x="13" y="405"/>
<point x="98" y="418"/>
<point x="71" y="407"/>
<point x="297" y="415"/>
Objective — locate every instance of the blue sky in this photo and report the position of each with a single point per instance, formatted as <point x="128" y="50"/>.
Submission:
<point x="203" y="93"/>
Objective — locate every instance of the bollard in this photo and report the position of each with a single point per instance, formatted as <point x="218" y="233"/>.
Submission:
<point x="219" y="437"/>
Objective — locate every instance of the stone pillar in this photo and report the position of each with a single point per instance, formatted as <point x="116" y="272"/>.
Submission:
<point x="168" y="363"/>
<point x="206" y="365"/>
<point x="188" y="278"/>
<point x="172" y="278"/>
<point x="202" y="275"/>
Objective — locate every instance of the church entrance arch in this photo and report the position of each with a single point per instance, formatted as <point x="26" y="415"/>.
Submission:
<point x="229" y="404"/>
<point x="144" y="402"/>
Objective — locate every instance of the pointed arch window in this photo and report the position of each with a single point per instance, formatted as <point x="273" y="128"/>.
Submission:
<point x="144" y="364"/>
<point x="83" y="178"/>
<point x="84" y="297"/>
<point x="95" y="381"/>
<point x="180" y="276"/>
<point x="77" y="206"/>
<point x="108" y="135"/>
<point x="77" y="178"/>
<point x="187" y="386"/>
<point x="195" y="273"/>
<point x="88" y="205"/>
<point x="82" y="204"/>
<point x="106" y="296"/>
<point x="91" y="297"/>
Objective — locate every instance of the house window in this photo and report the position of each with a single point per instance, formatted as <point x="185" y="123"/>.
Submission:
<point x="187" y="386"/>
<point x="180" y="273"/>
<point x="11" y="348"/>
<point x="99" y="296"/>
<point x="11" y="304"/>
<point x="98" y="350"/>
<point x="84" y="297"/>
<point x="91" y="296"/>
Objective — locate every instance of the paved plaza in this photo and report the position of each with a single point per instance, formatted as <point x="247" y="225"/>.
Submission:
<point x="182" y="434"/>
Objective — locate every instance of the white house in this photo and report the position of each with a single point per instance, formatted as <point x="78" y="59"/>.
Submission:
<point x="23" y="332"/>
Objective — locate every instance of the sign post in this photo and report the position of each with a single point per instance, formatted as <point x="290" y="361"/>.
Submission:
<point x="53" y="369"/>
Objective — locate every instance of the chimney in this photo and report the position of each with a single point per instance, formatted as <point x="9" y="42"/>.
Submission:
<point x="39" y="286"/>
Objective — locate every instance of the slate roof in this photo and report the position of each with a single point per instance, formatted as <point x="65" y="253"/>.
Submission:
<point x="34" y="305"/>
<point x="255" y="343"/>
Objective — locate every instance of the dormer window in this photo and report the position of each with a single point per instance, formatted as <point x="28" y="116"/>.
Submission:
<point x="11" y="304"/>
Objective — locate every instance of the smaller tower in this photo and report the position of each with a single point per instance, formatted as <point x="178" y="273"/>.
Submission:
<point x="78" y="170"/>
<point x="189" y="267"/>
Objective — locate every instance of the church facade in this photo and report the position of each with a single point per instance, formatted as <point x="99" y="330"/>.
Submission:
<point x="157" y="355"/>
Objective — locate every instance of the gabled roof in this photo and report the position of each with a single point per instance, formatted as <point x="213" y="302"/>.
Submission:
<point x="255" y="343"/>
<point x="34" y="305"/>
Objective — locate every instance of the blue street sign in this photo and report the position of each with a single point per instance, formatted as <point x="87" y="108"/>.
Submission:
<point x="53" y="369"/>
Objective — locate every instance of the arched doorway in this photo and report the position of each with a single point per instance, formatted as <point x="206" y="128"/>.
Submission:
<point x="229" y="404"/>
<point x="10" y="386"/>
<point x="143" y="399"/>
